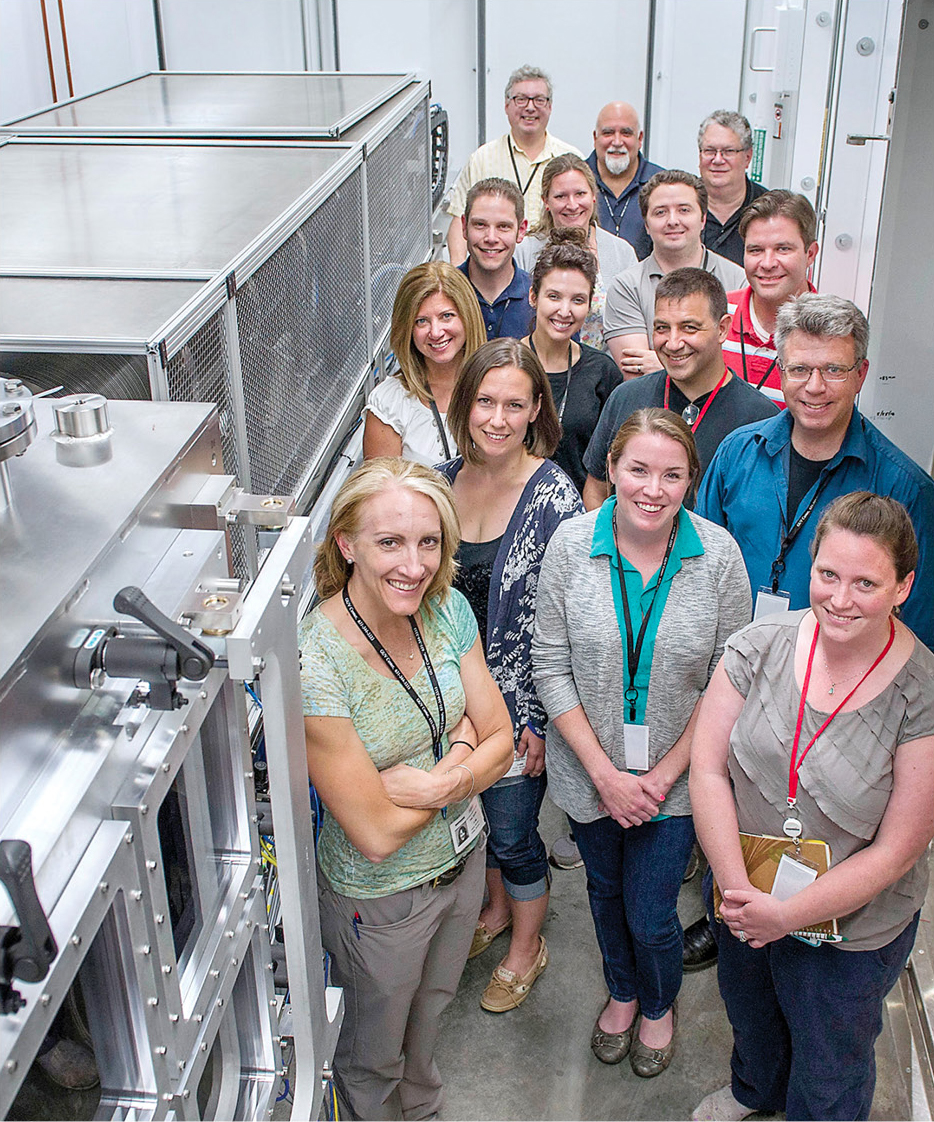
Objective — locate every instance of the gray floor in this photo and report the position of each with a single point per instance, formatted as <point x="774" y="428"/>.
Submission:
<point x="535" y="1062"/>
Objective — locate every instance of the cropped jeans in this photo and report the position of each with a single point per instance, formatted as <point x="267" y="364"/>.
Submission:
<point x="514" y="845"/>
<point x="633" y="879"/>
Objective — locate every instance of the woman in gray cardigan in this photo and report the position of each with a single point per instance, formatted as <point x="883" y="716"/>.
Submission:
<point x="635" y="602"/>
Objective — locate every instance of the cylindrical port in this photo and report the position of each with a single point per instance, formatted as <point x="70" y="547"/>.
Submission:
<point x="81" y="415"/>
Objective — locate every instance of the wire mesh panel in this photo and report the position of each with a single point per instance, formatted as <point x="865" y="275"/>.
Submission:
<point x="303" y="349"/>
<point x="200" y="371"/>
<point x="398" y="186"/>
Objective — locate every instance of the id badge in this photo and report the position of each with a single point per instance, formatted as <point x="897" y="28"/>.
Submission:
<point x="636" y="747"/>
<point x="791" y="876"/>
<point x="769" y="603"/>
<point x="518" y="766"/>
<point x="467" y="825"/>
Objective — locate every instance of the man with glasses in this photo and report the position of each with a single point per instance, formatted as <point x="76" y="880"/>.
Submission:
<point x="621" y="171"/>
<point x="779" y="230"/>
<point x="690" y="324"/>
<point x="519" y="155"/>
<point x="724" y="143"/>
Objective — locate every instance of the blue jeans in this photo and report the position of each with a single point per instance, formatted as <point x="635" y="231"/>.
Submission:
<point x="805" y="1021"/>
<point x="515" y="846"/>
<point x="633" y="879"/>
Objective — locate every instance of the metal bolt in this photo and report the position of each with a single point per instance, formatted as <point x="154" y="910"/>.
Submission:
<point x="136" y="894"/>
<point x="104" y="887"/>
<point x="865" y="46"/>
<point x="233" y="962"/>
<point x="183" y="728"/>
<point x="823" y="19"/>
<point x="45" y="999"/>
<point x="166" y="969"/>
<point x="186" y="1094"/>
<point x="248" y="775"/>
<point x="96" y="677"/>
<point x="173" y="1017"/>
<point x="204" y="1046"/>
<point x="843" y="241"/>
<point x="259" y="665"/>
<point x="165" y="767"/>
<point x="167" y="1096"/>
<point x="229" y="934"/>
<point x="128" y="838"/>
<point x="181" y="1065"/>
<point x="145" y="949"/>
<point x="160" y="1051"/>
<point x="13" y="385"/>
<point x="215" y="973"/>
<point x="199" y="1017"/>
<point x="270" y="966"/>
<point x="244" y="895"/>
<point x="143" y="808"/>
<point x="254" y="818"/>
<point x="249" y="923"/>
<point x="272" y="1002"/>
<point x="220" y="1002"/>
<point x="11" y="1066"/>
<point x="203" y="695"/>
<point x="153" y="1002"/>
<point x="160" y="918"/>
<point x="75" y="940"/>
<point x="150" y="865"/>
<point x="10" y="410"/>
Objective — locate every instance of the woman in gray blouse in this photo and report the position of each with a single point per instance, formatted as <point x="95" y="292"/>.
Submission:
<point x="820" y="725"/>
<point x="635" y="602"/>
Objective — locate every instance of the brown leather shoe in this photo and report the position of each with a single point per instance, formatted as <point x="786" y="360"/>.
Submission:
<point x="507" y="989"/>
<point x="648" y="1062"/>
<point x="611" y="1047"/>
<point x="484" y="935"/>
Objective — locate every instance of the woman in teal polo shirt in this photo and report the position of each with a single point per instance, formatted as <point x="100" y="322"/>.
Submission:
<point x="635" y="603"/>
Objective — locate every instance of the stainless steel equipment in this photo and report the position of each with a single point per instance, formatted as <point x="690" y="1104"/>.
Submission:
<point x="251" y="272"/>
<point x="126" y="767"/>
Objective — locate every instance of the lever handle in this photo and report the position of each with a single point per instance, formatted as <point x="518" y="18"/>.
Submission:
<point x="29" y="956"/>
<point x="195" y="657"/>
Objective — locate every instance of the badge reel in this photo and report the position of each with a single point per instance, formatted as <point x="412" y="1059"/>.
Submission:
<point x="769" y="603"/>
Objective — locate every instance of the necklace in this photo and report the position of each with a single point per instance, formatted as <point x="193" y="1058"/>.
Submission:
<point x="842" y="682"/>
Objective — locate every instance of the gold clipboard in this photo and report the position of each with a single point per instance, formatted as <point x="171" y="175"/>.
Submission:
<point x="761" y="855"/>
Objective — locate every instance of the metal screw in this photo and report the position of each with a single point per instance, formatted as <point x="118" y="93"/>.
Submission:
<point x="203" y="695"/>
<point x="181" y="1065"/>
<point x="270" y="966"/>
<point x="104" y="887"/>
<point x="259" y="665"/>
<point x="220" y="1002"/>
<point x="173" y="1017"/>
<point x="145" y="949"/>
<point x="183" y="728"/>
<point x="165" y="767"/>
<point x="45" y="999"/>
<point x="150" y="865"/>
<point x="248" y="775"/>
<point x="143" y="808"/>
<point x="865" y="46"/>
<point x="75" y="940"/>
<point x="160" y="1051"/>
<point x="166" y="969"/>
<point x="13" y="385"/>
<point x="229" y="934"/>
<point x="199" y="1017"/>
<point x="204" y="1046"/>
<point x="186" y="1094"/>
<point x="153" y="1002"/>
<point x="215" y="973"/>
<point x="10" y="409"/>
<point x="128" y="838"/>
<point x="233" y="962"/>
<point x="160" y="918"/>
<point x="167" y="1096"/>
<point x="136" y="894"/>
<point x="10" y="1066"/>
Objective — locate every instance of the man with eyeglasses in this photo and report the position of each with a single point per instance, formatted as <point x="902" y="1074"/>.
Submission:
<point x="519" y="155"/>
<point x="724" y="144"/>
<point x="769" y="482"/>
<point x="621" y="171"/>
<point x="690" y="324"/>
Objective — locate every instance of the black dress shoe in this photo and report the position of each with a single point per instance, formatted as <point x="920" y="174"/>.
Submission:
<point x="700" y="947"/>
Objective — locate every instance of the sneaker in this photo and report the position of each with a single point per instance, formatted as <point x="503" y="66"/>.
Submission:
<point x="507" y="989"/>
<point x="564" y="854"/>
<point x="70" y="1065"/>
<point x="721" y="1106"/>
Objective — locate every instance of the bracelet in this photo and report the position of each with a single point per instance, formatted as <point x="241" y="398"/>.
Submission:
<point x="473" y="780"/>
<point x="451" y="744"/>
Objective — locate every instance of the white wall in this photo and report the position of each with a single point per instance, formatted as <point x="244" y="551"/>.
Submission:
<point x="232" y="34"/>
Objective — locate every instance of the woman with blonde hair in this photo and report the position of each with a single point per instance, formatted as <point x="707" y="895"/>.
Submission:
<point x="436" y="325"/>
<point x="635" y="602"/>
<point x="569" y="196"/>
<point x="403" y="728"/>
<point x="510" y="498"/>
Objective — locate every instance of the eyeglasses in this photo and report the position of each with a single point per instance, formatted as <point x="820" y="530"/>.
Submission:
<point x="829" y="373"/>
<point x="726" y="153"/>
<point x="539" y="101"/>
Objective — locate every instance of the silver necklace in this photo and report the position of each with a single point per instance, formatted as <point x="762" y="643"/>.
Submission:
<point x="842" y="682"/>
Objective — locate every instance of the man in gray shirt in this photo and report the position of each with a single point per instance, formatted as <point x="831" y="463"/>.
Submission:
<point x="674" y="206"/>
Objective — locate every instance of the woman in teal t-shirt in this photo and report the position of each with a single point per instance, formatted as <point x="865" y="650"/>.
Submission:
<point x="404" y="727"/>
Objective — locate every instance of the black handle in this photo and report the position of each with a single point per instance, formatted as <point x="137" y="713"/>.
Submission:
<point x="195" y="658"/>
<point x="27" y="951"/>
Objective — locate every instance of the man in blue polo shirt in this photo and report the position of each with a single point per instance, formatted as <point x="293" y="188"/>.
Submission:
<point x="621" y="170"/>
<point x="493" y="224"/>
<point x="770" y="481"/>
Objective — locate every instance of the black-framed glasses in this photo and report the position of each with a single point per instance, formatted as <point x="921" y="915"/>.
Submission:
<point x="726" y="153"/>
<point x="521" y="100"/>
<point x="830" y="372"/>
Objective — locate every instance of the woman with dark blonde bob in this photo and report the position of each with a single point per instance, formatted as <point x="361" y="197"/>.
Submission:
<point x="403" y="727"/>
<point x="436" y="325"/>
<point x="635" y="602"/>
<point x="819" y="724"/>
<point x="510" y="498"/>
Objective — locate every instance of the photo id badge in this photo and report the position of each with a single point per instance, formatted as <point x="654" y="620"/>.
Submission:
<point x="518" y="765"/>
<point x="769" y="603"/>
<point x="636" y="747"/>
<point x="791" y="876"/>
<point x="467" y="825"/>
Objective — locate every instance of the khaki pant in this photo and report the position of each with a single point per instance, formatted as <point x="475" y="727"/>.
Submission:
<point x="399" y="968"/>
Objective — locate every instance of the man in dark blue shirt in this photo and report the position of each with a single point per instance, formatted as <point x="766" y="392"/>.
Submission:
<point x="494" y="223"/>
<point x="621" y="170"/>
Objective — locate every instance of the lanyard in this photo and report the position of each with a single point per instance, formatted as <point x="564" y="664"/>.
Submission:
<point x="778" y="565"/>
<point x="796" y="760"/>
<point x="634" y="649"/>
<point x="515" y="168"/>
<point x="567" y="385"/>
<point x="607" y="195"/>
<point x="439" y="425"/>
<point x="435" y="728"/>
<point x="707" y="404"/>
<point x="742" y="350"/>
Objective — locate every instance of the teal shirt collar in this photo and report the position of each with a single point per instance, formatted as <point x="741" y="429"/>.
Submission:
<point x="687" y="543"/>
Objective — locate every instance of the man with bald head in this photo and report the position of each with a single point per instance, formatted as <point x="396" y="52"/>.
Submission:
<point x="621" y="170"/>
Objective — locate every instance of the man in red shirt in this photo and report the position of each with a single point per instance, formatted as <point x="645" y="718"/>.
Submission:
<point x="779" y="231"/>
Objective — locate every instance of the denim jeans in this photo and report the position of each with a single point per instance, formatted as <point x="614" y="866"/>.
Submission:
<point x="515" y="846"/>
<point x="633" y="879"/>
<point x="805" y="1021"/>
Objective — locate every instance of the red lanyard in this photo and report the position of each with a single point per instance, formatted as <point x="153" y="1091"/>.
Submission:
<point x="797" y="761"/>
<point x="707" y="403"/>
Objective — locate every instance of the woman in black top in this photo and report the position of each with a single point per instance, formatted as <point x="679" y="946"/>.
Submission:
<point x="581" y="377"/>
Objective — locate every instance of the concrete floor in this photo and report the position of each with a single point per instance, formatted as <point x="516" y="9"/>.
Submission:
<point x="535" y="1062"/>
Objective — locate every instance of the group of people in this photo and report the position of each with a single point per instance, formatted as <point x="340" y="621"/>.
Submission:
<point x="587" y="548"/>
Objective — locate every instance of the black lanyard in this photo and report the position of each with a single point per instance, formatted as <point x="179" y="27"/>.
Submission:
<point x="634" y="649"/>
<point x="439" y="425"/>
<point x="607" y="195"/>
<point x="515" y="168"/>
<point x="742" y="348"/>
<point x="567" y="385"/>
<point x="435" y="728"/>
<point x="778" y="565"/>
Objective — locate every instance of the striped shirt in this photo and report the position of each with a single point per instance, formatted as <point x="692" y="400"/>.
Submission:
<point x="494" y="159"/>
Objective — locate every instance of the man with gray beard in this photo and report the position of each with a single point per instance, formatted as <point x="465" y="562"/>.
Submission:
<point x="620" y="170"/>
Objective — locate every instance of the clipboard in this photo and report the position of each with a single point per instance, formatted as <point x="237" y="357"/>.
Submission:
<point x="761" y="855"/>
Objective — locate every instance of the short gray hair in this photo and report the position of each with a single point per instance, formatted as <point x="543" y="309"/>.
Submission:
<point x="735" y="122"/>
<point x="815" y="313"/>
<point x="528" y="74"/>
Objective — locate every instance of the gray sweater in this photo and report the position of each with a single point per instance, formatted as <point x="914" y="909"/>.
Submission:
<point x="578" y="659"/>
